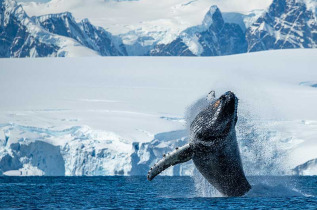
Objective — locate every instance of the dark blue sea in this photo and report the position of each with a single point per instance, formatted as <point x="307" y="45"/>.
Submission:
<point x="163" y="192"/>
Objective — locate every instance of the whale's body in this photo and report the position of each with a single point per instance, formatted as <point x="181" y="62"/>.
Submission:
<point x="213" y="148"/>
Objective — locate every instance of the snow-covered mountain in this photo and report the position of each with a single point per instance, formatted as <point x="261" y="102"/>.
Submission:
<point x="213" y="38"/>
<point x="55" y="35"/>
<point x="95" y="38"/>
<point x="21" y="37"/>
<point x="286" y="24"/>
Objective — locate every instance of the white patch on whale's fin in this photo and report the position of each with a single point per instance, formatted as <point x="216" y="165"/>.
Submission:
<point x="179" y="155"/>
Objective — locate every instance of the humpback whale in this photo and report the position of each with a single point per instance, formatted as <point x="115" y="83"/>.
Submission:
<point x="213" y="148"/>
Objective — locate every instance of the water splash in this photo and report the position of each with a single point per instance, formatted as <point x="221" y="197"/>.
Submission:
<point x="203" y="188"/>
<point x="262" y="149"/>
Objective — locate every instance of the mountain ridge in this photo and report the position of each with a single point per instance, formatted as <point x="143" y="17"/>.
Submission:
<point x="95" y="38"/>
<point x="21" y="37"/>
<point x="284" y="25"/>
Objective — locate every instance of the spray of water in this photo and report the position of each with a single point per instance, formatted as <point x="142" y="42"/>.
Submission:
<point x="261" y="150"/>
<point x="203" y="188"/>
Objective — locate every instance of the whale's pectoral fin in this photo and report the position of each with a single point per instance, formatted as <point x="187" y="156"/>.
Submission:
<point x="180" y="155"/>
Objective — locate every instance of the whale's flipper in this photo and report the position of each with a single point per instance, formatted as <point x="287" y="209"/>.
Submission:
<point x="180" y="155"/>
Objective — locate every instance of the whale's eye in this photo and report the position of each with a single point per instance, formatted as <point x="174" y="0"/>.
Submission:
<point x="217" y="103"/>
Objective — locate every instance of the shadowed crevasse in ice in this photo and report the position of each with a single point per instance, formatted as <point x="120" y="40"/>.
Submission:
<point x="309" y="83"/>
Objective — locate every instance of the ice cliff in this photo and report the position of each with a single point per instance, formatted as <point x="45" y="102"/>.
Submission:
<point x="81" y="151"/>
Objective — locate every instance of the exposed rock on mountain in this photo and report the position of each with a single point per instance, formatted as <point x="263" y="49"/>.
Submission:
<point x="286" y="24"/>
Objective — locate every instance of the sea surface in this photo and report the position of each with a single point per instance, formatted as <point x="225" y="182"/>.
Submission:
<point x="163" y="192"/>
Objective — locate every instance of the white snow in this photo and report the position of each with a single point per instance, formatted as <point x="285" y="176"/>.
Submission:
<point x="100" y="105"/>
<point x="245" y="20"/>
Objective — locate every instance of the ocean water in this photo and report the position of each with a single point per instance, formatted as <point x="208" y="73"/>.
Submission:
<point x="163" y="192"/>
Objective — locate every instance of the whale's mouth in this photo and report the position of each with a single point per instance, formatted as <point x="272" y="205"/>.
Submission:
<point x="217" y="120"/>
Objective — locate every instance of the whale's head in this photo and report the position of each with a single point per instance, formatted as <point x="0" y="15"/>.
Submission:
<point x="217" y="120"/>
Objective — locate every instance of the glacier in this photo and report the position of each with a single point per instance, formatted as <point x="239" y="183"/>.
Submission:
<point x="102" y="116"/>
